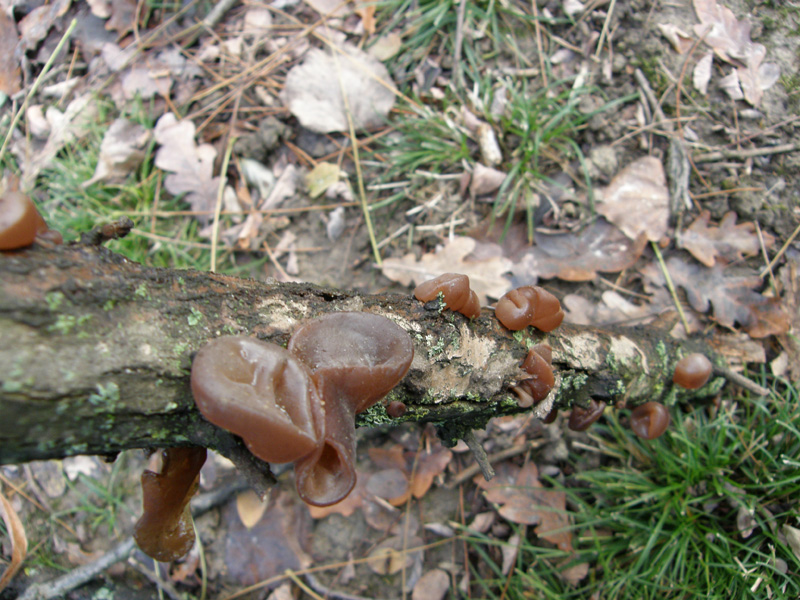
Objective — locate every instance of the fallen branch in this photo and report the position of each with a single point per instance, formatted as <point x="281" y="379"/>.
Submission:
<point x="102" y="349"/>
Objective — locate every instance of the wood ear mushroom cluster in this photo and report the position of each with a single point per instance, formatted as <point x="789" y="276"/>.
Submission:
<point x="298" y="404"/>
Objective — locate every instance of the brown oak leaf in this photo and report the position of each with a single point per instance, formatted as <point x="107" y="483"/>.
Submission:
<point x="728" y="242"/>
<point x="732" y="295"/>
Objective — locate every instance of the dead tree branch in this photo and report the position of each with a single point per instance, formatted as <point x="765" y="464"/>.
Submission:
<point x="97" y="351"/>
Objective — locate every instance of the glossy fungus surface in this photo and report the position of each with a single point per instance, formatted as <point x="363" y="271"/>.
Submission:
<point x="165" y="530"/>
<point x="539" y="365"/>
<point x="692" y="371"/>
<point x="529" y="305"/>
<point x="514" y="310"/>
<point x="580" y="419"/>
<point x="396" y="409"/>
<point x="650" y="420"/>
<point x="355" y="359"/>
<point x="453" y="287"/>
<point x="455" y="291"/>
<point x="260" y="392"/>
<point x="20" y="222"/>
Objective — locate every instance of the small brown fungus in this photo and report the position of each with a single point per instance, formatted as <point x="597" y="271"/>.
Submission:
<point x="692" y="371"/>
<point x="455" y="291"/>
<point x="550" y="417"/>
<point x="355" y="359"/>
<point x="396" y="409"/>
<point x="529" y="305"/>
<point x="580" y="419"/>
<point x="260" y="392"/>
<point x="539" y="364"/>
<point x="650" y="420"/>
<point x="165" y="530"/>
<point x="20" y="221"/>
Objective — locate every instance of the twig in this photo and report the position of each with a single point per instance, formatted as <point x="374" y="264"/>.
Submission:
<point x="62" y="585"/>
<point x="327" y="592"/>
<point x="743" y="154"/>
<point x="741" y="380"/>
<point x="538" y="29"/>
<point x="780" y="253"/>
<point x="480" y="455"/>
<point x="502" y="455"/>
<point x="212" y="18"/>
<point x="153" y="577"/>
<point x="101" y="234"/>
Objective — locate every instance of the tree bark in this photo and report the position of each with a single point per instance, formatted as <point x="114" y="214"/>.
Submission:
<point x="97" y="350"/>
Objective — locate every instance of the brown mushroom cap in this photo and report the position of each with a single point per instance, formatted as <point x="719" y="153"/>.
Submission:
<point x="650" y="420"/>
<point x="692" y="371"/>
<point x="472" y="308"/>
<point x="538" y="364"/>
<point x="453" y="287"/>
<point x="529" y="305"/>
<point x="396" y="409"/>
<point x="547" y="314"/>
<point x="20" y="221"/>
<point x="514" y="310"/>
<point x="355" y="359"/>
<point x="580" y="419"/>
<point x="260" y="392"/>
<point x="165" y="531"/>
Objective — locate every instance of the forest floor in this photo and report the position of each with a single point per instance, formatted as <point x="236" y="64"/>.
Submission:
<point x="629" y="155"/>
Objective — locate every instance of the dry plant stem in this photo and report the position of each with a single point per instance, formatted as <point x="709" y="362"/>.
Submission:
<point x="480" y="455"/>
<point x="745" y="154"/>
<point x="462" y="11"/>
<point x="539" y="46"/>
<point x="74" y="579"/>
<point x="670" y="285"/>
<point x="780" y="253"/>
<point x="218" y="207"/>
<point x="162" y="585"/>
<point x="604" y="31"/>
<point x="212" y="18"/>
<point x="362" y="193"/>
<point x="327" y="592"/>
<point x="35" y="87"/>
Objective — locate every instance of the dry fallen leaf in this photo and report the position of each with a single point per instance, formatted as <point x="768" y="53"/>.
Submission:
<point x="730" y="40"/>
<point x="391" y="485"/>
<point x="250" y="508"/>
<point x="732" y="296"/>
<point x="792" y="535"/>
<point x="65" y="128"/>
<point x="527" y="502"/>
<point x="37" y="23"/>
<point x="430" y="463"/>
<point x="637" y="200"/>
<point x="121" y="152"/>
<point x="789" y="277"/>
<point x="395" y="553"/>
<point x="485" y="276"/>
<point x="728" y="242"/>
<point x="9" y="65"/>
<point x="580" y="255"/>
<point x="19" y="542"/>
<point x="313" y="90"/>
<point x="433" y="585"/>
<point x="190" y="166"/>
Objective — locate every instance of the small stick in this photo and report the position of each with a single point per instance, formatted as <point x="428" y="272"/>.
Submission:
<point x="110" y="231"/>
<point x="741" y="380"/>
<point x="480" y="455"/>
<point x="670" y="286"/>
<point x="743" y="154"/>
<point x="472" y="470"/>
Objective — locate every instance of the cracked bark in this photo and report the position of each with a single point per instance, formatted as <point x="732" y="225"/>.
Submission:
<point x="97" y="351"/>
